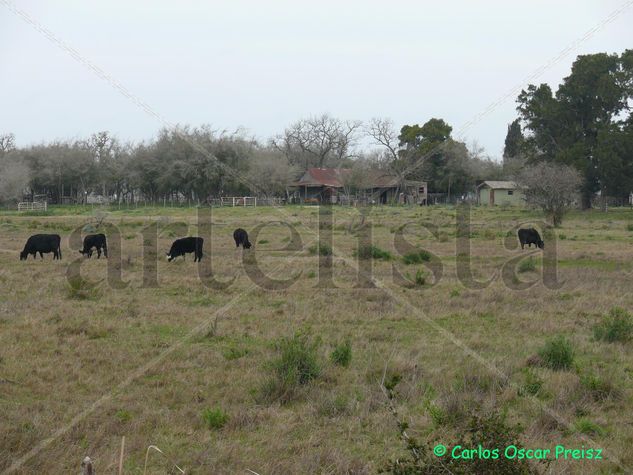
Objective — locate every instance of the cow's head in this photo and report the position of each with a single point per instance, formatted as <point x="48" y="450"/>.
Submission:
<point x="23" y="255"/>
<point x="169" y="258"/>
<point x="540" y="244"/>
<point x="247" y="245"/>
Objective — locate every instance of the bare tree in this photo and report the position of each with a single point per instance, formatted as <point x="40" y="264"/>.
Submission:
<point x="271" y="172"/>
<point x="384" y="133"/>
<point x="7" y="143"/>
<point x="551" y="187"/>
<point x="318" y="141"/>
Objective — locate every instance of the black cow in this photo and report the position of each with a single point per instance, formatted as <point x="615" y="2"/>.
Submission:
<point x="42" y="243"/>
<point x="98" y="241"/>
<point x="183" y="246"/>
<point x="241" y="238"/>
<point x="530" y="236"/>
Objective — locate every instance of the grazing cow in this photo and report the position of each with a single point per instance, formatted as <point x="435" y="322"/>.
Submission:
<point x="530" y="236"/>
<point x="183" y="246"/>
<point x="98" y="241"/>
<point x="241" y="238"/>
<point x="42" y="243"/>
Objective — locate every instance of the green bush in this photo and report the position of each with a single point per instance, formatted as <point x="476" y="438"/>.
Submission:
<point x="616" y="326"/>
<point x="629" y="227"/>
<point x="342" y="354"/>
<point x="558" y="353"/>
<point x="372" y="252"/>
<point x="527" y="265"/>
<point x="214" y="418"/>
<point x="417" y="257"/>
<point x="322" y="249"/>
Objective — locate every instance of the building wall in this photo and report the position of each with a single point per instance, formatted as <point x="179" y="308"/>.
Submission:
<point x="501" y="197"/>
<point x="484" y="196"/>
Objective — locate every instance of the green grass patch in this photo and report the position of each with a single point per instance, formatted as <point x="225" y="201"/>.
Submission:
<point x="214" y="419"/>
<point x="417" y="257"/>
<point x="372" y="252"/>
<point x="342" y="354"/>
<point x="616" y="326"/>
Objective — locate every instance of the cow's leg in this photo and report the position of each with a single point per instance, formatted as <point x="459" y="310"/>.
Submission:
<point x="41" y="255"/>
<point x="98" y="253"/>
<point x="105" y="251"/>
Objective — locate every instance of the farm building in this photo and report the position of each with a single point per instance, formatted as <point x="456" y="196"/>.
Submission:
<point x="491" y="193"/>
<point x="335" y="185"/>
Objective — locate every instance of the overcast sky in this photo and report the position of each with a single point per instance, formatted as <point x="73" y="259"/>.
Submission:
<point x="264" y="64"/>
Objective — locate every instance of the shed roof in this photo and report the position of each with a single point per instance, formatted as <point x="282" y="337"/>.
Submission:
<point x="323" y="177"/>
<point x="499" y="185"/>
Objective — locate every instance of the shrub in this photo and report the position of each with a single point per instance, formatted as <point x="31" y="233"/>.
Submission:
<point x="322" y="249"/>
<point x="557" y="353"/>
<point x="214" y="418"/>
<point x="629" y="227"/>
<point x="372" y="252"/>
<point x="296" y="365"/>
<point x="527" y="265"/>
<point x="616" y="326"/>
<point x="342" y="354"/>
<point x="417" y="257"/>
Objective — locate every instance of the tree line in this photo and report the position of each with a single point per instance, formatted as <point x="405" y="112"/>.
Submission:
<point x="198" y="163"/>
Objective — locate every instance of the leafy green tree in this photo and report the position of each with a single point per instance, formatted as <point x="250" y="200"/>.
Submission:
<point x="577" y="125"/>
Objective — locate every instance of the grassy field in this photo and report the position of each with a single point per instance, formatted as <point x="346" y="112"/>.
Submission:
<point x="208" y="372"/>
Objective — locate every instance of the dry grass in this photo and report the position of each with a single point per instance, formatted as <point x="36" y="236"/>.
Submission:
<point x="63" y="349"/>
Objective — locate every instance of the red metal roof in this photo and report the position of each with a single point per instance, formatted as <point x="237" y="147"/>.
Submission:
<point x="323" y="177"/>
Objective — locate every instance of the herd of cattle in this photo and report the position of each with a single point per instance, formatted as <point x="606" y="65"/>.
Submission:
<point x="46" y="243"/>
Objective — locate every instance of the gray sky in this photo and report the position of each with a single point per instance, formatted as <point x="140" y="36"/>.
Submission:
<point x="263" y="64"/>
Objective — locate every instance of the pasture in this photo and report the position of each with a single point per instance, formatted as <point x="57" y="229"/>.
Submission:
<point x="187" y="359"/>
